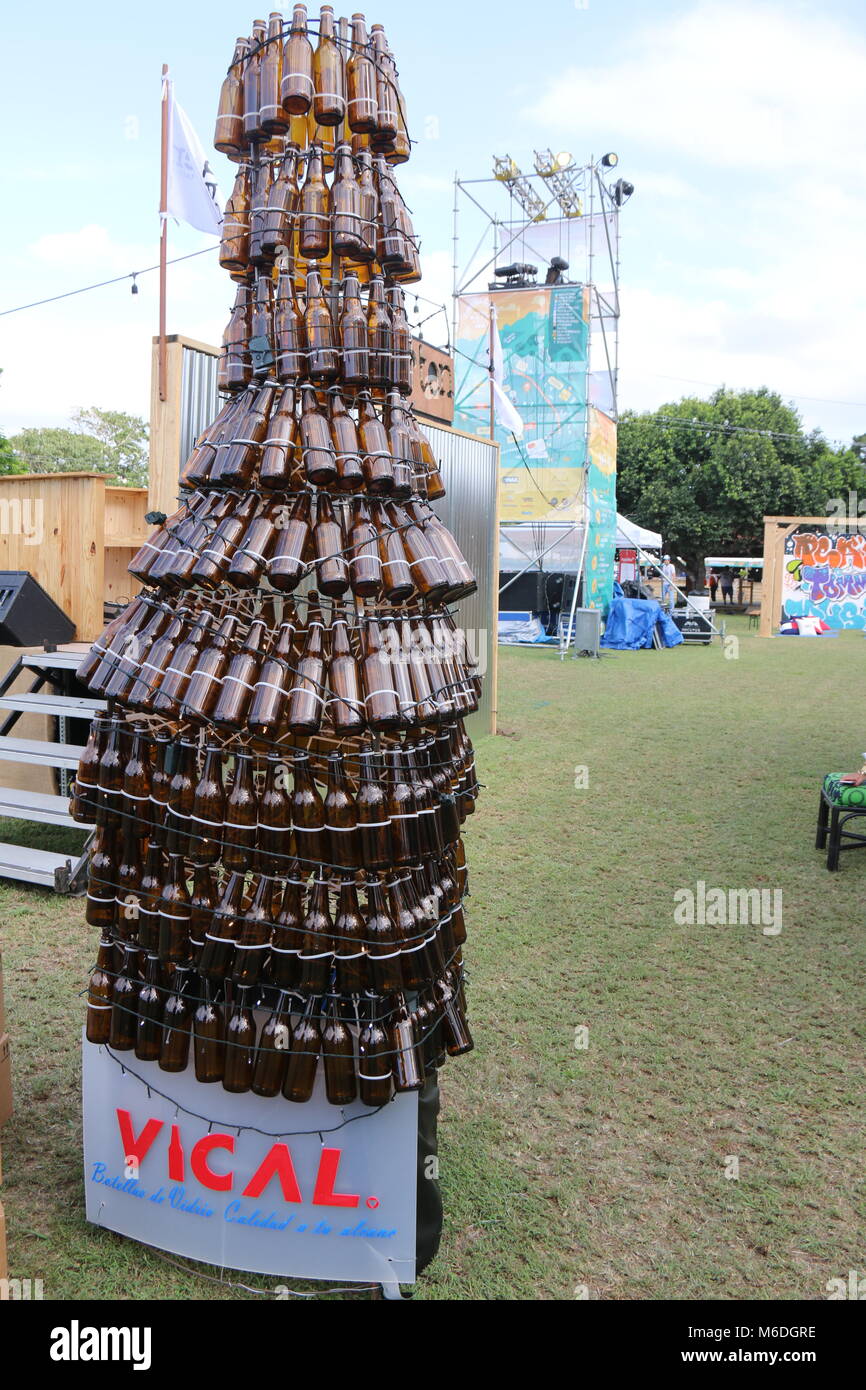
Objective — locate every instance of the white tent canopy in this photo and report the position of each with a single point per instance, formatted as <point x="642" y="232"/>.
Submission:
<point x="628" y="533"/>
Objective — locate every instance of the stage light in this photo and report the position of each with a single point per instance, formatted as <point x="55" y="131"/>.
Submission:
<point x="563" y="159"/>
<point x="622" y="191"/>
<point x="609" y="160"/>
<point x="555" y="273"/>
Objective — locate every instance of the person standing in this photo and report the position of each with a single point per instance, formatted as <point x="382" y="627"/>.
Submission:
<point x="727" y="585"/>
<point x="714" y="584"/>
<point x="669" y="576"/>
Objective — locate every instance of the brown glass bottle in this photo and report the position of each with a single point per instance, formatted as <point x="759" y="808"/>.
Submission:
<point x="369" y="199"/>
<point x="332" y="569"/>
<point x="323" y="358"/>
<point x="253" y="130"/>
<point x="401" y="347"/>
<point x="290" y="337"/>
<point x="345" y="707"/>
<point x="365" y="565"/>
<point x="240" y="1043"/>
<point x="455" y="1030"/>
<point x="308" y="816"/>
<point x="235" y="366"/>
<point x="104" y="643"/>
<point x="407" y="1066"/>
<point x="160" y="781"/>
<point x="338" y="1057"/>
<point x="344" y="436"/>
<point x="345" y="207"/>
<point x="99" y="992"/>
<point x="205" y="681"/>
<point x="136" y="779"/>
<point x="181" y="793"/>
<point x="397" y="584"/>
<point x="255" y="547"/>
<point x="316" y="953"/>
<point x="124" y="996"/>
<point x="283" y="969"/>
<point x="427" y="572"/>
<point x="254" y="932"/>
<point x="82" y="806"/>
<point x="400" y="659"/>
<point x="174" y="915"/>
<point x="383" y="940"/>
<point x="152" y="670"/>
<point x="135" y="650"/>
<point x="272" y="117"/>
<point x="148" y="1030"/>
<point x="150" y="891"/>
<point x="128" y="880"/>
<point x="304" y="1055"/>
<point x="198" y="465"/>
<point x="288" y="563"/>
<point x="329" y="74"/>
<point x="314" y="239"/>
<point x="380" y="336"/>
<point x="220" y="938"/>
<point x="207" y="811"/>
<point x="371" y="802"/>
<point x="109" y="776"/>
<point x="208" y="1026"/>
<point x="275" y="818"/>
<point x="307" y="694"/>
<point x="400" y="444"/>
<point x="234" y="257"/>
<point x="272" y="687"/>
<point x="239" y="681"/>
<point x="353" y="335"/>
<point x="177" y="1022"/>
<point x="377" y="681"/>
<point x="239" y="837"/>
<point x="262" y="326"/>
<point x="350" y="950"/>
<point x="402" y="810"/>
<point x="237" y="469"/>
<point x="375" y="1082"/>
<point x="317" y="446"/>
<point x="272" y="1054"/>
<point x="172" y="688"/>
<point x="296" y="89"/>
<point x="229" y="131"/>
<point x="278" y="460"/>
<point x="202" y="906"/>
<point x="362" y="107"/>
<point x="341" y="817"/>
<point x="411" y="931"/>
<point x="375" y="454"/>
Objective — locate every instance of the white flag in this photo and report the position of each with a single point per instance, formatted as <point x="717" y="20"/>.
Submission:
<point x="188" y="197"/>
<point x="506" y="412"/>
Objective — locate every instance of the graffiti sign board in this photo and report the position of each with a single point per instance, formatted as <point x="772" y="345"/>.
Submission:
<point x="825" y="576"/>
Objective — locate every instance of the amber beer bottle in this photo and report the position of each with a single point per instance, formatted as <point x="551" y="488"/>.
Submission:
<point x="176" y="1022"/>
<point x="349" y="941"/>
<point x="341" y="817"/>
<point x="316" y="952"/>
<point x="307" y="694"/>
<point x="160" y="781"/>
<point x="275" y="818"/>
<point x="229" y="132"/>
<point x="380" y="697"/>
<point x="174" y="915"/>
<point x="455" y="1029"/>
<point x="317" y="447"/>
<point x="365" y="566"/>
<point x="380" y="334"/>
<point x="253" y="130"/>
<point x="99" y="993"/>
<point x="304" y="1054"/>
<point x="296" y="89"/>
<point x="369" y="198"/>
<point x="287" y="565"/>
<point x="329" y="74"/>
<point x="408" y="1068"/>
<point x="272" y="117"/>
<point x="383" y="940"/>
<point x="202" y="906"/>
<point x="84" y="789"/>
<point x="283" y="968"/>
<point x="198" y="465"/>
<point x="392" y="249"/>
<point x="323" y="358"/>
<point x="124" y="995"/>
<point x="371" y="804"/>
<point x="172" y="687"/>
<point x="272" y="687"/>
<point x="235" y="367"/>
<point x="239" y="839"/>
<point x="129" y="872"/>
<point x="402" y="810"/>
<point x="113" y="633"/>
<point x="345" y="207"/>
<point x="148" y="1031"/>
<point x="362" y="105"/>
<point x="400" y="659"/>
<point x="205" y="682"/>
<point x="308" y="815"/>
<point x="219" y="943"/>
<point x="375" y="454"/>
<point x="345" y="706"/>
<point x="397" y="583"/>
<point x="401" y="350"/>
<point x="136" y="780"/>
<point x="207" y="812"/>
<point x="353" y="335"/>
<point x="133" y="652"/>
<point x="313" y="223"/>
<point x="400" y="444"/>
<point x="239" y="681"/>
<point x="289" y="333"/>
<point x="143" y="690"/>
<point x="240" y="1043"/>
<point x="386" y="95"/>
<point x="254" y="933"/>
<point x="427" y="571"/>
<point x="237" y="469"/>
<point x="332" y="570"/>
<point x="261" y="329"/>
<point x="374" y="1062"/>
<point x="344" y="436"/>
<point x="208" y="1024"/>
<point x="282" y="207"/>
<point x="338" y="1057"/>
<point x="254" y="548"/>
<point x="109" y="777"/>
<point x="272" y="1055"/>
<point x="235" y="253"/>
<point x="181" y="794"/>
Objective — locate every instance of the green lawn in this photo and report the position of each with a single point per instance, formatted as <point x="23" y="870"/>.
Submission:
<point x="602" y="1167"/>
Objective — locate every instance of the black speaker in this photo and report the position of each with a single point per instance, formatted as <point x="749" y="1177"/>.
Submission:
<point x="28" y="616"/>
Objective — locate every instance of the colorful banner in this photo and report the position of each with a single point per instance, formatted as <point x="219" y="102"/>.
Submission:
<point x="825" y="577"/>
<point x="601" y="488"/>
<point x="544" y="332"/>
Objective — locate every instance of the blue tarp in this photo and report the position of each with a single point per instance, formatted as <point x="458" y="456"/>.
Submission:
<point x="630" y="622"/>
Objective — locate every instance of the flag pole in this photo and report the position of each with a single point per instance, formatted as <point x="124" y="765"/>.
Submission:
<point x="490" y="368"/>
<point x="163" y="236"/>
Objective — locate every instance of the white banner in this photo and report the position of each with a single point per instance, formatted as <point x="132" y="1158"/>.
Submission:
<point x="188" y="197"/>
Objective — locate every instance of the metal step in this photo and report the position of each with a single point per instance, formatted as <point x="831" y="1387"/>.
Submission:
<point x="59" y="660"/>
<point x="41" y="806"/>
<point x="64" y="706"/>
<point x="38" y="752"/>
<point x="35" y="865"/>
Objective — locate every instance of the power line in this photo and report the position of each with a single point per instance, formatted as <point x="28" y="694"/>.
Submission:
<point x="118" y="279"/>
<point x="720" y="385"/>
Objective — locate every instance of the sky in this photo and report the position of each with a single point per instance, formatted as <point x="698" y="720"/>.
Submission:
<point x="741" y="126"/>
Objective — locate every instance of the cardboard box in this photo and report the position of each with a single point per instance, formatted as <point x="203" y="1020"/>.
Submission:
<point x="5" y="1080"/>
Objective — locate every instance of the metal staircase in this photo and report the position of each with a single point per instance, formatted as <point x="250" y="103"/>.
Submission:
<point x="62" y="704"/>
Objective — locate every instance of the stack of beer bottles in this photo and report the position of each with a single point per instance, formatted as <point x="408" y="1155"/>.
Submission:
<point x="281" y="777"/>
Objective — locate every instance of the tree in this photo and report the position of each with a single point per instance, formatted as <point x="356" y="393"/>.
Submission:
<point x="106" y="441"/>
<point x="706" y="473"/>
<point x="124" y="438"/>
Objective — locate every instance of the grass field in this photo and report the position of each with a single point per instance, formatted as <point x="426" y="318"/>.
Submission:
<point x="600" y="1169"/>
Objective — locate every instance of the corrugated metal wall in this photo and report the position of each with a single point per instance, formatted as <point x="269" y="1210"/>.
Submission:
<point x="470" y="471"/>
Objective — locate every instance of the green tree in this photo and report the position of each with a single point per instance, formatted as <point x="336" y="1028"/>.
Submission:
<point x="706" y="473"/>
<point x="105" y="441"/>
<point x="124" y="438"/>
